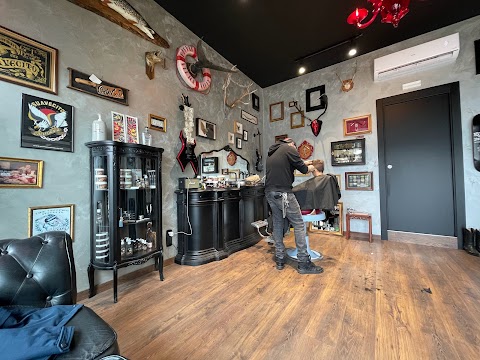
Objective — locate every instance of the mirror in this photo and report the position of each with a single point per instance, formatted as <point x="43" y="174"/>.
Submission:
<point x="223" y="162"/>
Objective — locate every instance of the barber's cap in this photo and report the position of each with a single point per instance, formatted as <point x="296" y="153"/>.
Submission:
<point x="288" y="141"/>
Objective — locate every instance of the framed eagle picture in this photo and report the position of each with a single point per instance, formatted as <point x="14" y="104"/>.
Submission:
<point x="46" y="124"/>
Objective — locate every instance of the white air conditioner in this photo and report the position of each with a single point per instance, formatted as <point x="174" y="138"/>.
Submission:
<point x="433" y="53"/>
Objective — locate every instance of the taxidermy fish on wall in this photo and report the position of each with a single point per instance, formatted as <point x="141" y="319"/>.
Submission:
<point x="123" y="14"/>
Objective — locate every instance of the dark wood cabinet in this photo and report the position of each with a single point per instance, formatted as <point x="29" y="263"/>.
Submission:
<point x="220" y="222"/>
<point x="126" y="209"/>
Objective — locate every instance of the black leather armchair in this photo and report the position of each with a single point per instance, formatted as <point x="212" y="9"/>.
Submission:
<point x="40" y="272"/>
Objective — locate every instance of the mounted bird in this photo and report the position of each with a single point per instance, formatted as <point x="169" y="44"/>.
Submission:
<point x="200" y="67"/>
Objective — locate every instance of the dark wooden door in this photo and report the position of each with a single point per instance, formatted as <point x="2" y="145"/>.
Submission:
<point x="420" y="162"/>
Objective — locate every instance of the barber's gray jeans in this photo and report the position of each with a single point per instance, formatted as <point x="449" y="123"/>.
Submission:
<point x="294" y="215"/>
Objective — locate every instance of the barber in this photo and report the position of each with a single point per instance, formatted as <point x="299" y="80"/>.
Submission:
<point x="282" y="160"/>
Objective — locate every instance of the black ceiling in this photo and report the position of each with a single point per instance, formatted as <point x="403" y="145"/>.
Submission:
<point x="265" y="37"/>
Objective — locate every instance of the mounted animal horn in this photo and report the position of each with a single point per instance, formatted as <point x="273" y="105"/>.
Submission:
<point x="315" y="124"/>
<point x="347" y="84"/>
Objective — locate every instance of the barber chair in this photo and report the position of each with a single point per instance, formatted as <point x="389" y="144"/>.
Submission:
<point x="308" y="216"/>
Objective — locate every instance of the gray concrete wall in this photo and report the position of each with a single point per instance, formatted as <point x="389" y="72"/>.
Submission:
<point x="91" y="44"/>
<point x="362" y="100"/>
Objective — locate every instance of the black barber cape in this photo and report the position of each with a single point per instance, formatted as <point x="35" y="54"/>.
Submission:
<point x="319" y="192"/>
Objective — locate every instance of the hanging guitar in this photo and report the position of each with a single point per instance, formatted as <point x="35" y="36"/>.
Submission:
<point x="258" y="152"/>
<point x="187" y="152"/>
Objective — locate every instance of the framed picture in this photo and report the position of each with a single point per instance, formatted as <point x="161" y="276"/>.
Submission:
<point x="157" y="123"/>
<point x="118" y="127"/>
<point x="249" y="117"/>
<point x="298" y="173"/>
<point x="206" y="129"/>
<point x="359" y="180"/>
<point x="314" y="102"/>
<point x="210" y="165"/>
<point x="224" y="171"/>
<point x="291" y="103"/>
<point x="26" y="62"/>
<point x="238" y="127"/>
<point x="245" y="135"/>
<point x="231" y="138"/>
<point x="85" y="83"/>
<point x="280" y="137"/>
<point x="276" y="111"/>
<point x="255" y="102"/>
<point x="50" y="218"/>
<point x="131" y="125"/>
<point x="348" y="152"/>
<point x="297" y="120"/>
<point x="46" y="124"/>
<point x="20" y="173"/>
<point x="239" y="143"/>
<point x="234" y="174"/>
<point x="357" y="125"/>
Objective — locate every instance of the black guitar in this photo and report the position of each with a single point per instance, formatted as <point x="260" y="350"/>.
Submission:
<point x="258" y="152"/>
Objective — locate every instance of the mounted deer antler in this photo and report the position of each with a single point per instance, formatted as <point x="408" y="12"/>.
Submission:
<point x="347" y="84"/>
<point x="247" y="91"/>
<point x="151" y="59"/>
<point x="316" y="124"/>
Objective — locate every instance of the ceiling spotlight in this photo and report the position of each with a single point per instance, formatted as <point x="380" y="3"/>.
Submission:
<point x="352" y="52"/>
<point x="302" y="70"/>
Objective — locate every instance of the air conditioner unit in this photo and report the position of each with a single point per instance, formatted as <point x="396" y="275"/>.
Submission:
<point x="433" y="53"/>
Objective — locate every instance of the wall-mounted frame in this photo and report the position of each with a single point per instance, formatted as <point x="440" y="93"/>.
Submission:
<point x="333" y="224"/>
<point x="27" y="62"/>
<point x="348" y="152"/>
<point x="46" y="124"/>
<point x="359" y="180"/>
<point x="210" y="165"/>
<point x="249" y="117"/>
<point x="297" y="120"/>
<point x="50" y="218"/>
<point x="245" y="135"/>
<point x="255" y="102"/>
<point x="239" y="143"/>
<point x="280" y="137"/>
<point x="131" y="126"/>
<point x="206" y="129"/>
<point x="20" y="173"/>
<point x="313" y="100"/>
<point x="156" y="122"/>
<point x="81" y="82"/>
<point x="357" y="125"/>
<point x="276" y="111"/>
<point x="237" y="127"/>
<point x="231" y="138"/>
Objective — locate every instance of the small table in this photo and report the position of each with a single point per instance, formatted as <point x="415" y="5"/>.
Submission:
<point x="359" y="216"/>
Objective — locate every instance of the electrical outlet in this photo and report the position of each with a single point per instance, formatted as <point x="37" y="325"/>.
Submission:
<point x="169" y="238"/>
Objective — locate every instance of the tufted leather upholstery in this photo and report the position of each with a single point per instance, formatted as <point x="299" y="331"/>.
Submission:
<point x="40" y="271"/>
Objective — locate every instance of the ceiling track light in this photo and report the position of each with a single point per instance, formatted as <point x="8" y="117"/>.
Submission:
<point x="351" y="40"/>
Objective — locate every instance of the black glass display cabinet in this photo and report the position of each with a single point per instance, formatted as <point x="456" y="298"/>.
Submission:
<point x="126" y="209"/>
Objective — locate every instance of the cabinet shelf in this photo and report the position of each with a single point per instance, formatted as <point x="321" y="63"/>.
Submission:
<point x="140" y="221"/>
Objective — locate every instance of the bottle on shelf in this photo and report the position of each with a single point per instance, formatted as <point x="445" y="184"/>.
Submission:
<point x="99" y="129"/>
<point x="146" y="137"/>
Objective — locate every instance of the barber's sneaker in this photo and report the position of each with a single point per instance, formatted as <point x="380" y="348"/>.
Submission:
<point x="308" y="267"/>
<point x="280" y="263"/>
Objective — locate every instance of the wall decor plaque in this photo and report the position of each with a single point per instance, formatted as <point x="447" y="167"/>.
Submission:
<point x="26" y="62"/>
<point x="305" y="150"/>
<point x="348" y="152"/>
<point x="360" y="180"/>
<point x="249" y="117"/>
<point x="158" y="123"/>
<point x="46" y="124"/>
<point x="357" y="125"/>
<point x="82" y="82"/>
<point x="50" y="218"/>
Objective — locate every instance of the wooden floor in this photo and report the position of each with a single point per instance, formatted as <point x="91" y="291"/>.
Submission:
<point x="370" y="303"/>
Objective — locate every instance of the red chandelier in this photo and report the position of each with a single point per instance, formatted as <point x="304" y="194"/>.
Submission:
<point x="391" y="10"/>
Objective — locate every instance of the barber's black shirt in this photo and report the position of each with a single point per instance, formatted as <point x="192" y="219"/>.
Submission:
<point x="282" y="160"/>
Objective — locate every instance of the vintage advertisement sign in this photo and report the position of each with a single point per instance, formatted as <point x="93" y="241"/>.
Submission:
<point x="46" y="124"/>
<point x="26" y="62"/>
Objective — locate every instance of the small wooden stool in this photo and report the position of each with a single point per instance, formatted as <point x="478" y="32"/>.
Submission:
<point x="359" y="216"/>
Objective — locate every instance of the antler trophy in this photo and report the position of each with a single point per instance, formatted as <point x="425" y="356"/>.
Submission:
<point x="315" y="124"/>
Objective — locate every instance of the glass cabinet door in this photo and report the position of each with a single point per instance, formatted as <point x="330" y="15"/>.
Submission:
<point x="137" y="208"/>
<point x="101" y="231"/>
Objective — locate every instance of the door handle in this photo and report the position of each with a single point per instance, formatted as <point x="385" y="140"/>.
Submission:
<point x="389" y="166"/>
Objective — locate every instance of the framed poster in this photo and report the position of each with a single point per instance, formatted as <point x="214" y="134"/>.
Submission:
<point x="50" y="218"/>
<point x="357" y="125"/>
<point x="46" y="124"/>
<point x="360" y="180"/>
<point x="26" y="62"/>
<point x="314" y="102"/>
<point x="348" y="152"/>
<point x="131" y="126"/>
<point x="255" y="102"/>
<point x="249" y="117"/>
<point x="20" y="173"/>
<point x="157" y="123"/>
<point x="206" y="129"/>
<point x="210" y="165"/>
<point x="83" y="82"/>
<point x="118" y="127"/>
